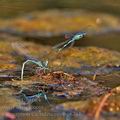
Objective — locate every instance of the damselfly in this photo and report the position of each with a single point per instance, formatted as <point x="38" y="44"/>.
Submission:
<point x="41" y="64"/>
<point x="71" y="40"/>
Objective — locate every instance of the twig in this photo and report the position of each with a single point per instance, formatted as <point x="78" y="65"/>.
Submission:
<point x="101" y="105"/>
<point x="94" y="76"/>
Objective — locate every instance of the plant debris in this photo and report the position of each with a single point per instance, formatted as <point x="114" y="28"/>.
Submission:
<point x="68" y="81"/>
